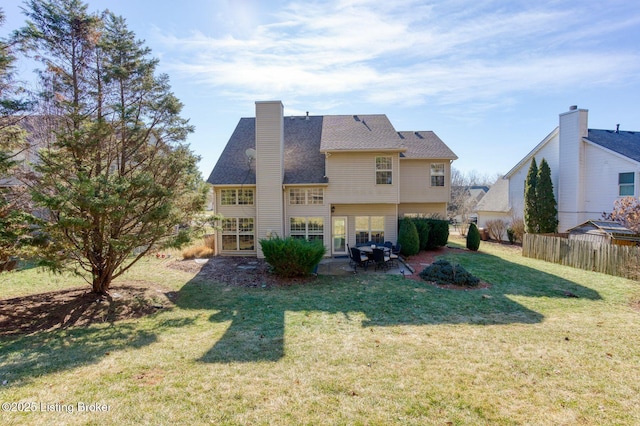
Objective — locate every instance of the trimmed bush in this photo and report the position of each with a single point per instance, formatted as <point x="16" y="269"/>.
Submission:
<point x="473" y="237"/>
<point x="408" y="237"/>
<point x="292" y="257"/>
<point x="423" y="233"/>
<point x="438" y="233"/>
<point x="444" y="272"/>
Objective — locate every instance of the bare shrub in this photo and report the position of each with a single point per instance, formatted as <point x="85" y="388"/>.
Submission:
<point x="517" y="229"/>
<point x="496" y="229"/>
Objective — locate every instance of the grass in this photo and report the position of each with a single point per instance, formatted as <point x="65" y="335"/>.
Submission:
<point x="365" y="349"/>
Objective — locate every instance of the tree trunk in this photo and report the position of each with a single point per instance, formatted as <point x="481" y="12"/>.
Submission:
<point x="101" y="283"/>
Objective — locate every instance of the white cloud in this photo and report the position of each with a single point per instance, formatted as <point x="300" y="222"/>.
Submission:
<point x="410" y="53"/>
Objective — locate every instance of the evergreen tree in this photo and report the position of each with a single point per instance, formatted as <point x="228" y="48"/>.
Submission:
<point x="530" y="204"/>
<point x="546" y="202"/>
<point x="473" y="237"/>
<point x="118" y="176"/>
<point x="408" y="237"/>
<point x="15" y="219"/>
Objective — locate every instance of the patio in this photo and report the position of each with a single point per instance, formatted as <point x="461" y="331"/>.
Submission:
<point x="340" y="266"/>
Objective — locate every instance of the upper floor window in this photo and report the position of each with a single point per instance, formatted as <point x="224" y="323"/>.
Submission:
<point x="313" y="196"/>
<point x="437" y="174"/>
<point x="626" y="184"/>
<point x="384" y="170"/>
<point x="232" y="197"/>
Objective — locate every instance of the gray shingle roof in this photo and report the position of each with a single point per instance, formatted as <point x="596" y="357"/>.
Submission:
<point x="624" y="142"/>
<point x="303" y="162"/>
<point x="424" y="144"/>
<point x="358" y="132"/>
<point x="306" y="140"/>
<point x="497" y="198"/>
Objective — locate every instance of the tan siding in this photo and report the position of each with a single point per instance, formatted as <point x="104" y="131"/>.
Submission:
<point x="415" y="182"/>
<point x="429" y="209"/>
<point x="269" y="169"/>
<point x="352" y="179"/>
<point x="353" y="210"/>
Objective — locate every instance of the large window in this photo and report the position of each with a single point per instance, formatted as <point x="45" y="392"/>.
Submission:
<point x="232" y="197"/>
<point x="308" y="228"/>
<point x="369" y="228"/>
<point x="626" y="184"/>
<point x="311" y="196"/>
<point x="437" y="174"/>
<point x="384" y="170"/>
<point x="238" y="234"/>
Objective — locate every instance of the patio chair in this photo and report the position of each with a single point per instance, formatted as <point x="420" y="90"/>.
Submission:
<point x="380" y="258"/>
<point x="359" y="259"/>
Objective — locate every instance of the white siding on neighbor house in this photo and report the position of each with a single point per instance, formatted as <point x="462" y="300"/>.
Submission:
<point x="269" y="169"/>
<point x="601" y="183"/>
<point x="352" y="178"/>
<point x="573" y="127"/>
<point x="424" y="209"/>
<point x="550" y="152"/>
<point x="353" y="210"/>
<point x="415" y="182"/>
<point x="486" y="216"/>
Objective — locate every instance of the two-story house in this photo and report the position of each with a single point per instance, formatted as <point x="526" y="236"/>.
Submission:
<point x="343" y="179"/>
<point x="590" y="169"/>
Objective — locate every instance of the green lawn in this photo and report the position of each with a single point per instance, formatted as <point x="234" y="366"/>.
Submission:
<point x="364" y="349"/>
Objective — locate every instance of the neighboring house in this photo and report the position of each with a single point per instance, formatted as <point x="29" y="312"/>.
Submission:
<point x="342" y="179"/>
<point x="590" y="169"/>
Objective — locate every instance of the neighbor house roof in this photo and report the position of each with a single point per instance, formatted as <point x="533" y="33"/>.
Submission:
<point x="623" y="142"/>
<point x="424" y="144"/>
<point x="497" y="198"/>
<point x="307" y="138"/>
<point x="605" y="226"/>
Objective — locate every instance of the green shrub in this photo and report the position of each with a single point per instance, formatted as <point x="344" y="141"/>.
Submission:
<point x="444" y="272"/>
<point x="511" y="235"/>
<point x="423" y="233"/>
<point x="438" y="233"/>
<point x="408" y="237"/>
<point x="473" y="238"/>
<point x="292" y="257"/>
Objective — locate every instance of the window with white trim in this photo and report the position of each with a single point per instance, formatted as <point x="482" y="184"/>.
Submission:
<point x="233" y="197"/>
<point x="437" y="174"/>
<point x="369" y="228"/>
<point x="626" y="184"/>
<point x="238" y="234"/>
<point x="308" y="196"/>
<point x="308" y="228"/>
<point x="384" y="170"/>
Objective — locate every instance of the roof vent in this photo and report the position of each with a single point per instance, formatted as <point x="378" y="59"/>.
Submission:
<point x="307" y="116"/>
<point x="617" y="128"/>
<point x="355" y="117"/>
<point x="573" y="107"/>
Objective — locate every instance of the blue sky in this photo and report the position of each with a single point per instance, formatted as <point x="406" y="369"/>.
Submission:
<point x="488" y="77"/>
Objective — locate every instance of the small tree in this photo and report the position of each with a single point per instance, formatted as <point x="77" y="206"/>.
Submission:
<point x="530" y="204"/>
<point x="408" y="237"/>
<point x="546" y="202"/>
<point x="473" y="238"/>
<point x="626" y="211"/>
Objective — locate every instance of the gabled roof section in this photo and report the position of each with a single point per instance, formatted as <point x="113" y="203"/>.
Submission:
<point x="359" y="133"/>
<point x="606" y="226"/>
<point x="303" y="162"/>
<point x="424" y="144"/>
<point x="497" y="198"/>
<point x="533" y="152"/>
<point x="623" y="142"/>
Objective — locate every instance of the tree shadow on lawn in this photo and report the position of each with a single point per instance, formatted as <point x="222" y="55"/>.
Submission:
<point x="25" y="357"/>
<point x="257" y="315"/>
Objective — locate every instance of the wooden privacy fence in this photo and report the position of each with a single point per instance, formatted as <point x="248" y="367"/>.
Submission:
<point x="621" y="261"/>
